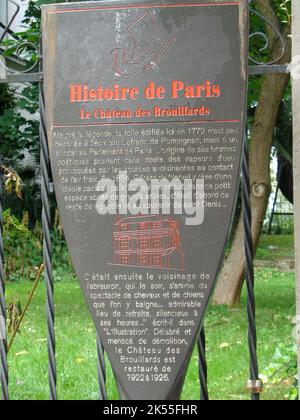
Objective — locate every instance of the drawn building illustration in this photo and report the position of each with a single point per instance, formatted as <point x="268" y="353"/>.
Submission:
<point x="148" y="241"/>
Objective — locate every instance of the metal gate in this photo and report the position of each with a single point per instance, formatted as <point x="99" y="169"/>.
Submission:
<point x="35" y="74"/>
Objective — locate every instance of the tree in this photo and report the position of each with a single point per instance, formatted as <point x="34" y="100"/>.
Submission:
<point x="272" y="90"/>
<point x="12" y="138"/>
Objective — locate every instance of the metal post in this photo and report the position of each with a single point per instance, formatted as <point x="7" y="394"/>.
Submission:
<point x="295" y="71"/>
<point x="202" y="365"/>
<point x="47" y="246"/>
<point x="254" y="383"/>
<point x="101" y="370"/>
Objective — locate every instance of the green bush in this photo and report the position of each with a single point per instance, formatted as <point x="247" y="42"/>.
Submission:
<point x="283" y="369"/>
<point x="24" y="249"/>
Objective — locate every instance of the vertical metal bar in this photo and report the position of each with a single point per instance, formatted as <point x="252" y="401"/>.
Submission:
<point x="101" y="370"/>
<point x="254" y="384"/>
<point x="47" y="246"/>
<point x="295" y="72"/>
<point x="3" y="334"/>
<point x="202" y="366"/>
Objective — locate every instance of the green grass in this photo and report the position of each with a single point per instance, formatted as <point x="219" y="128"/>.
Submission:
<point x="276" y="247"/>
<point x="76" y="351"/>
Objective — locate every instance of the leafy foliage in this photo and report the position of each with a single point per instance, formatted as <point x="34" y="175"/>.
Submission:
<point x="24" y="248"/>
<point x="283" y="369"/>
<point x="13" y="140"/>
<point x="284" y="11"/>
<point x="13" y="182"/>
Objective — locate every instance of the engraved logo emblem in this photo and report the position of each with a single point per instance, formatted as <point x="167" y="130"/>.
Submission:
<point x="146" y="50"/>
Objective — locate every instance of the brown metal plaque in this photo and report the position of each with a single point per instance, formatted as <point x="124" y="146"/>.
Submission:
<point x="145" y="109"/>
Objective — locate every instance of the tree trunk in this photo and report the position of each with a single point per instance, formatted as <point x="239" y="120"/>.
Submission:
<point x="231" y="279"/>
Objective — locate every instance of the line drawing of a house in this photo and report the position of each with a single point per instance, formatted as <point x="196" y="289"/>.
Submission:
<point x="147" y="241"/>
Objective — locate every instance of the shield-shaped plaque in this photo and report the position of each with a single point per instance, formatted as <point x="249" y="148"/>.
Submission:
<point x="145" y="109"/>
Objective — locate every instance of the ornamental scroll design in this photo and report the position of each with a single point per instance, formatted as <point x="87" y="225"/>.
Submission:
<point x="265" y="39"/>
<point x="31" y="64"/>
<point x="20" y="47"/>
